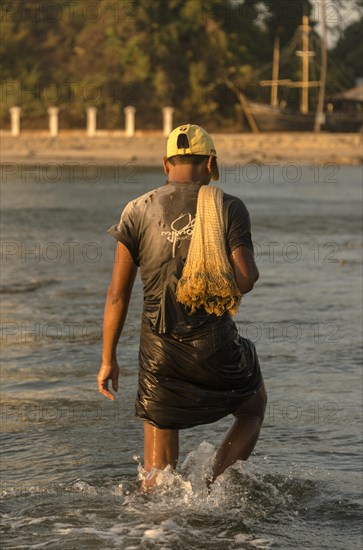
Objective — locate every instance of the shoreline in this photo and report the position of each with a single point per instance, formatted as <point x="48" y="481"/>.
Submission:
<point x="146" y="149"/>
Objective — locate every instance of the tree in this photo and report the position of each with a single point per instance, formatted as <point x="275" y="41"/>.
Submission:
<point x="182" y="53"/>
<point x="345" y="60"/>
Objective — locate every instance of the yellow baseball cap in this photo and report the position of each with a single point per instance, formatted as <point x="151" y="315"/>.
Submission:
<point x="191" y="139"/>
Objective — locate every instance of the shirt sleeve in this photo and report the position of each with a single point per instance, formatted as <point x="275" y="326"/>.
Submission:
<point x="238" y="225"/>
<point x="126" y="232"/>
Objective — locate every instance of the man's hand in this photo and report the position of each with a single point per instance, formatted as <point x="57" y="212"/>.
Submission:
<point x="108" y="371"/>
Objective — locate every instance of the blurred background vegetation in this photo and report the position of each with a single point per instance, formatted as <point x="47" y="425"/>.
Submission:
<point x="157" y="53"/>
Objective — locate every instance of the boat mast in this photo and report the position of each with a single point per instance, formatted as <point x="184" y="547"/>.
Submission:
<point x="304" y="83"/>
<point x="275" y="73"/>
<point x="320" y="117"/>
<point x="305" y="65"/>
<point x="305" y="55"/>
<point x="275" y="82"/>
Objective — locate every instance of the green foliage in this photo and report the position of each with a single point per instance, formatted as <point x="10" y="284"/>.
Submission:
<point x="149" y="54"/>
<point x="345" y="61"/>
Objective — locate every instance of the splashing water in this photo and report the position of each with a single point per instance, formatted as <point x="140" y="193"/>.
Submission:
<point x="242" y="510"/>
<point x="178" y="513"/>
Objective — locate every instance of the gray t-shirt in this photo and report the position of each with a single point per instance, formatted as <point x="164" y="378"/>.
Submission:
<point x="157" y="228"/>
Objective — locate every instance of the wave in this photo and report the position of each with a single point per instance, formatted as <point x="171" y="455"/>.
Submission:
<point x="20" y="288"/>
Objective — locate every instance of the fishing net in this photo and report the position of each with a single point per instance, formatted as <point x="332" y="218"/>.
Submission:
<point x="208" y="280"/>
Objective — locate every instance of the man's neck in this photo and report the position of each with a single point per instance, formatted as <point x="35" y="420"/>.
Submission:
<point x="187" y="174"/>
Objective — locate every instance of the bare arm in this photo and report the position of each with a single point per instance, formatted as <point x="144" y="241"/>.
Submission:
<point x="117" y="303"/>
<point x="244" y="267"/>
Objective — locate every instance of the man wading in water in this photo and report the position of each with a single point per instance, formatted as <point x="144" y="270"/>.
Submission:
<point x="194" y="366"/>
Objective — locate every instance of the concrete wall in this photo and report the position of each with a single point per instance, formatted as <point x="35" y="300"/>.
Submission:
<point x="147" y="149"/>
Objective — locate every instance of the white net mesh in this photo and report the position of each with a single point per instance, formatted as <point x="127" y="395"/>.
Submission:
<point x="208" y="280"/>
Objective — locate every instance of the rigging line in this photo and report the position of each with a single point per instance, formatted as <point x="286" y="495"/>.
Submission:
<point x="285" y="55"/>
<point x="287" y="51"/>
<point x="316" y="48"/>
<point x="333" y="64"/>
<point x="289" y="48"/>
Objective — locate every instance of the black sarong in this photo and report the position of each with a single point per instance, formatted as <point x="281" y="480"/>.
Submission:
<point x="197" y="377"/>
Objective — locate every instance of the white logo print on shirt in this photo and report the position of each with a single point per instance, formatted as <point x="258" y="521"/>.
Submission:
<point x="177" y="233"/>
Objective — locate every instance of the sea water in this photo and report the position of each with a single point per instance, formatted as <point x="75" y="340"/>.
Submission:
<point x="71" y="460"/>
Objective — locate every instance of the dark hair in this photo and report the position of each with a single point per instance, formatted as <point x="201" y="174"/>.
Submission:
<point x="187" y="159"/>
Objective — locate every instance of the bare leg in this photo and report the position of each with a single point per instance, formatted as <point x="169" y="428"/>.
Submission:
<point x="242" y="436"/>
<point x="161" y="448"/>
